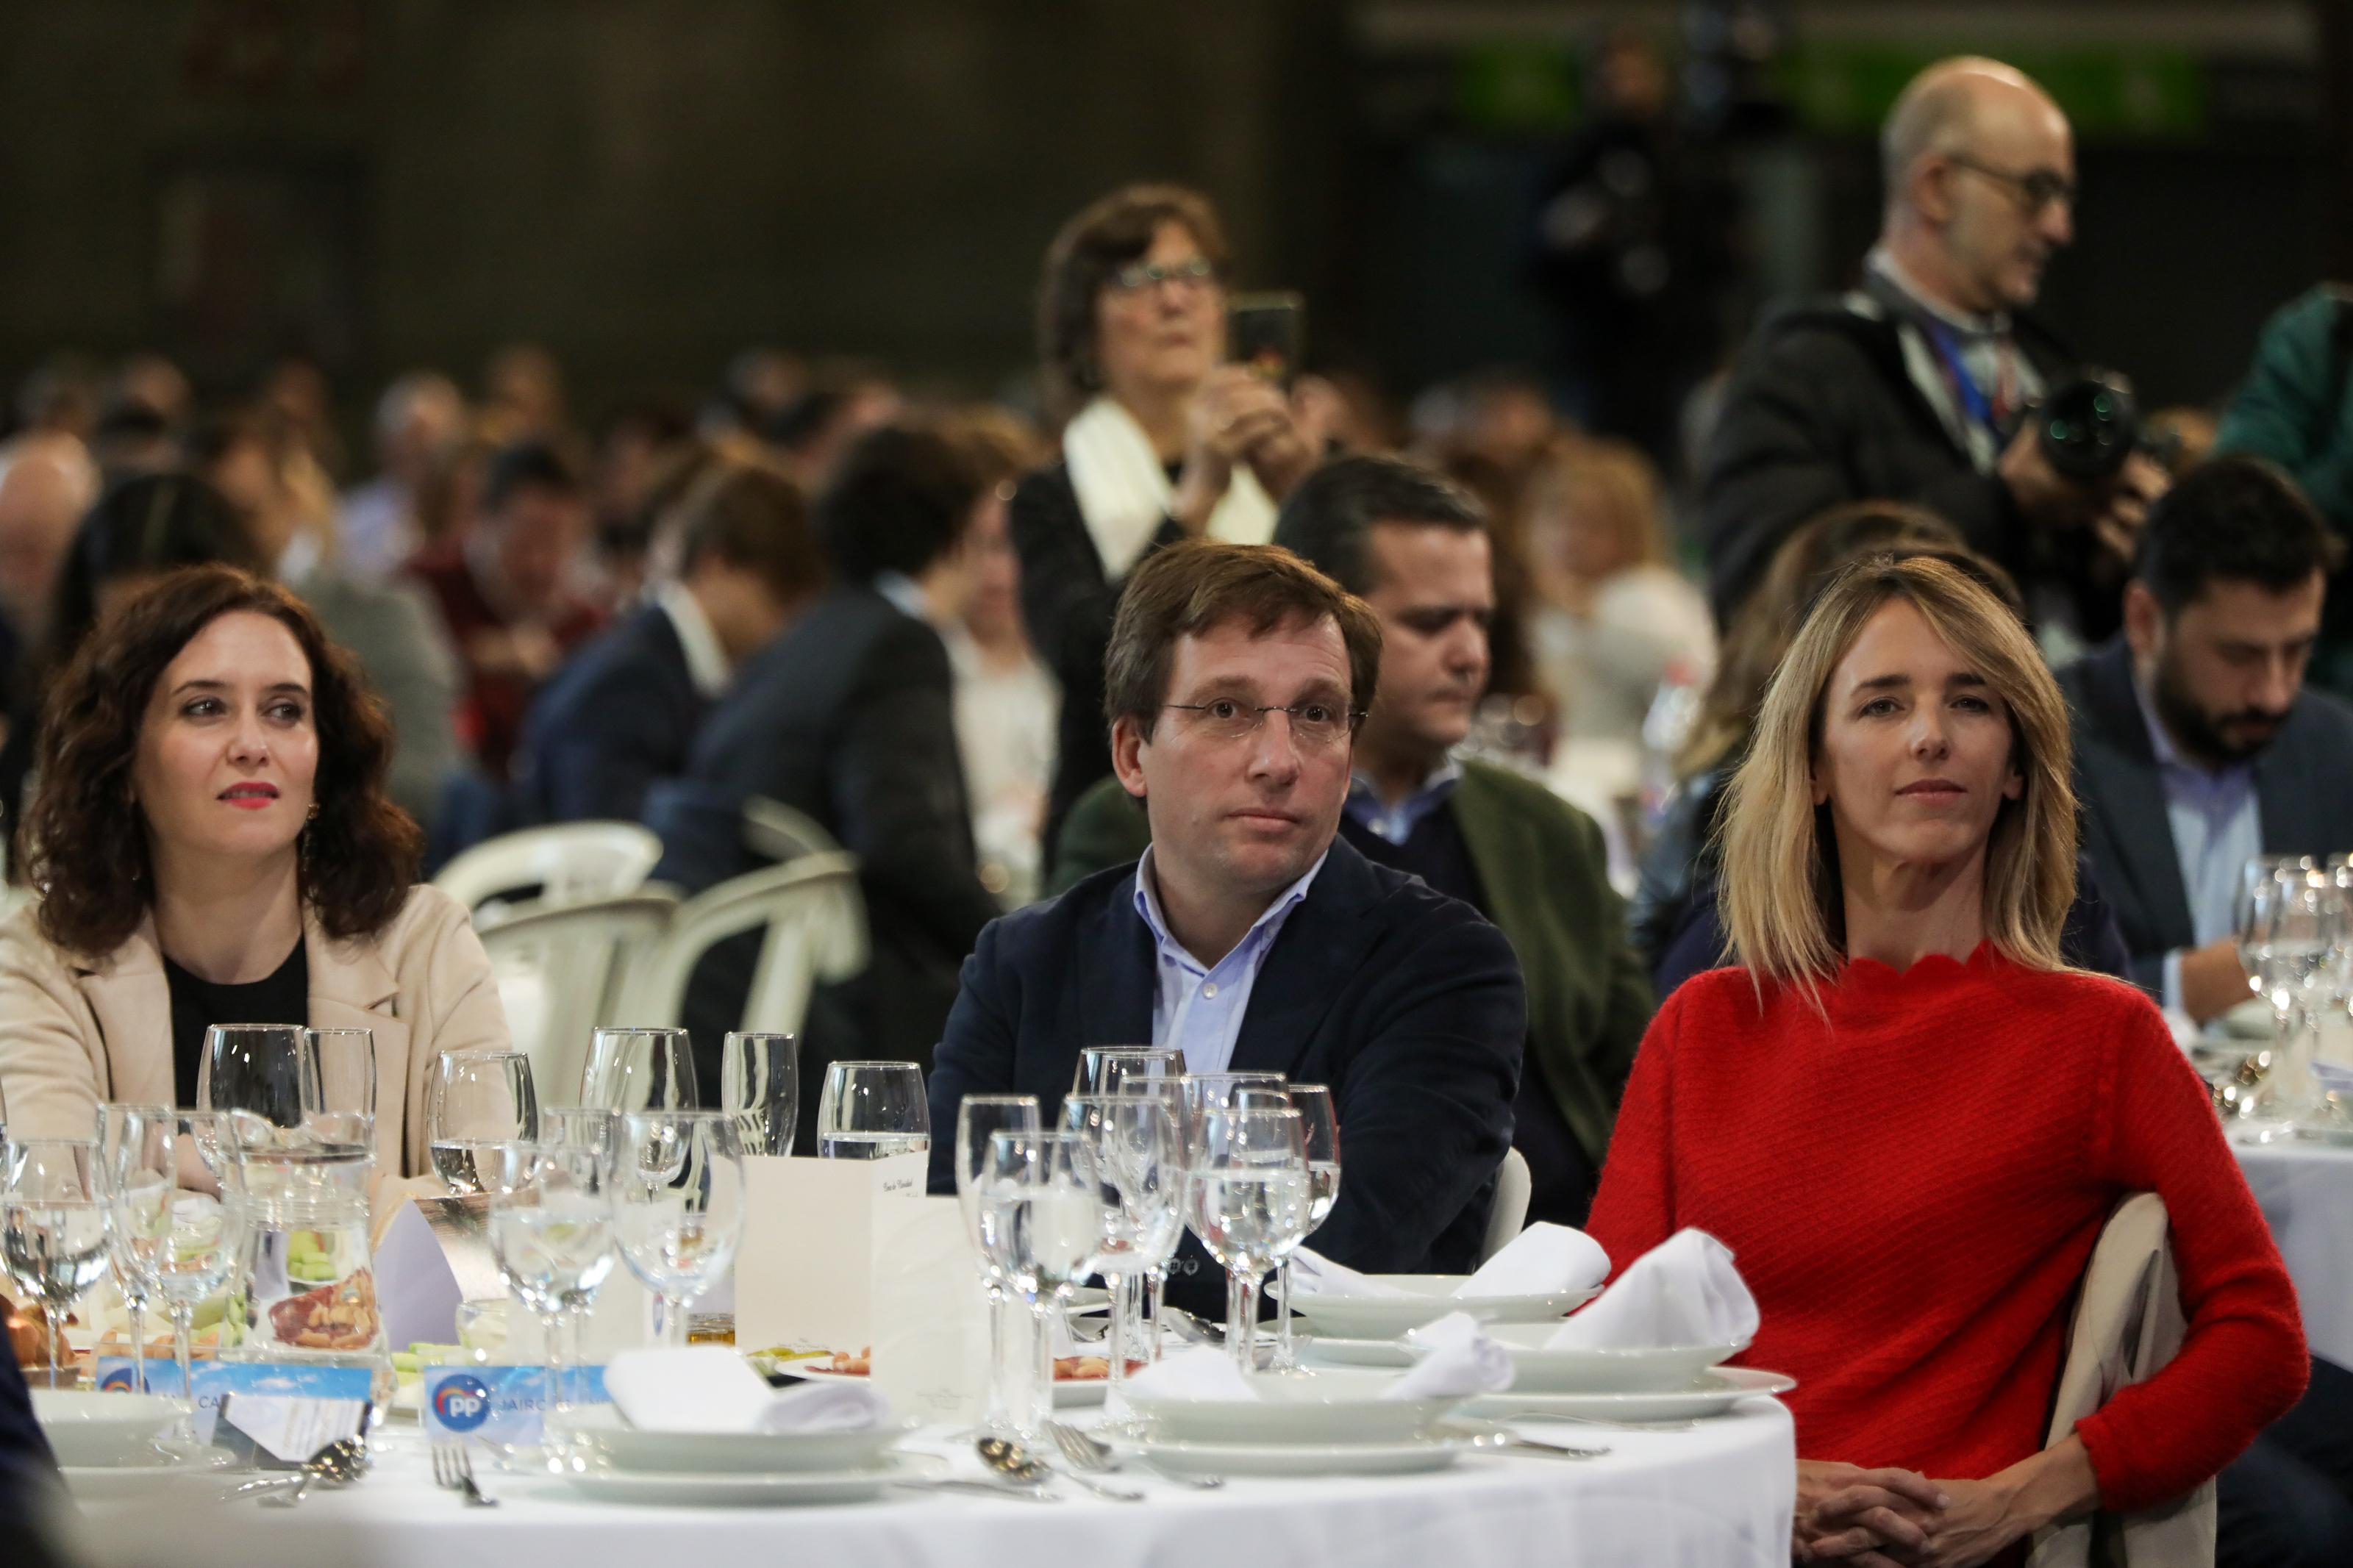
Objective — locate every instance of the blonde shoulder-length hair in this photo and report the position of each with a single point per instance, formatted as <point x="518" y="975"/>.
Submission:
<point x="1784" y="913"/>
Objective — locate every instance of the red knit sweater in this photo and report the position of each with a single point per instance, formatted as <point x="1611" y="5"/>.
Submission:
<point x="1913" y="1187"/>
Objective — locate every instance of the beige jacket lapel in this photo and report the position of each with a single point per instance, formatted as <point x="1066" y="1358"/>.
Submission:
<point x="131" y="1005"/>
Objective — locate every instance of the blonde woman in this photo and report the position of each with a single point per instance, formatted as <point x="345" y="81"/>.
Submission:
<point x="1910" y="1119"/>
<point x="1613" y="615"/>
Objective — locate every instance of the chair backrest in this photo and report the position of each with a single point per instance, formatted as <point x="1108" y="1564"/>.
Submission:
<point x="560" y="968"/>
<point x="1513" y="1184"/>
<point x="775" y="831"/>
<point x="815" y="921"/>
<point x="566" y="861"/>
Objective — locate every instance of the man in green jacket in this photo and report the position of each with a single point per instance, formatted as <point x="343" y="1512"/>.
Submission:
<point x="2294" y="409"/>
<point x="1415" y="549"/>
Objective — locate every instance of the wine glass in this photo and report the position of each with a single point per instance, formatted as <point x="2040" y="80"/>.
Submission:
<point x="259" y="1069"/>
<point x="130" y="1139"/>
<point x="2293" y="943"/>
<point x="760" y="1086"/>
<point x="678" y="1199"/>
<point x="1321" y="1128"/>
<point x="340" y="1067"/>
<point x="53" y="1227"/>
<point x="185" y="1247"/>
<point x="476" y="1103"/>
<point x="1040" y="1212"/>
<point x="1103" y="1068"/>
<point x="1168" y="1093"/>
<point x="1139" y="1165"/>
<point x="1249" y="1193"/>
<point x="1208" y="1091"/>
<point x="640" y="1069"/>
<point x="979" y="1119"/>
<point x="872" y="1111"/>
<point x="553" y="1240"/>
<point x="579" y="1127"/>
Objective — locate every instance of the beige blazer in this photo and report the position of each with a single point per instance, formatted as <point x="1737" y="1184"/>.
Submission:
<point x="2128" y="1324"/>
<point x="75" y="1031"/>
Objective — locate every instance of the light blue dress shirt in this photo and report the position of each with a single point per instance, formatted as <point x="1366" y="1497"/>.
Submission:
<point x="1396" y="823"/>
<point x="1199" y="1010"/>
<point x="2218" y="827"/>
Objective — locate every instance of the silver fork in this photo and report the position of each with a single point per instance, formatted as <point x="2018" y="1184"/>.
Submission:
<point x="453" y="1469"/>
<point x="1088" y="1452"/>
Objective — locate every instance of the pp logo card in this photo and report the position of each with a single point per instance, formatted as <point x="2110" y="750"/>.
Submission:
<point x="499" y="1403"/>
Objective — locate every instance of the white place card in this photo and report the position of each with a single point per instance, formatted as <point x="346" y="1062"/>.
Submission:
<point x="931" y="1315"/>
<point x="805" y="1274"/>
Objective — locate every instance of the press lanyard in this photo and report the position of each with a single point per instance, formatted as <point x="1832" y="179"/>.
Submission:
<point x="1964" y="387"/>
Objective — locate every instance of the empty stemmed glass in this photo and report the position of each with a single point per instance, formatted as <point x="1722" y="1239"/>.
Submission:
<point x="1168" y="1093"/>
<point x="1207" y="1091"/>
<point x="760" y="1086"/>
<point x="640" y="1069"/>
<point x="339" y="1078"/>
<point x="1006" y="1405"/>
<point x="872" y="1111"/>
<point x="1103" y="1068"/>
<point x="1320" y="1127"/>
<point x="1139" y="1168"/>
<point x="1041" y="1222"/>
<point x="259" y="1069"/>
<point x="480" y="1109"/>
<point x="53" y="1227"/>
<point x="679" y="1200"/>
<point x="553" y="1241"/>
<point x="184" y="1246"/>
<point x="575" y="1127"/>
<point x="1248" y="1206"/>
<point x="127" y="1137"/>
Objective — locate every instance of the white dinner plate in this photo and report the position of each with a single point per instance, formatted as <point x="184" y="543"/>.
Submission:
<point x="1711" y="1393"/>
<point x="1334" y="1351"/>
<point x="1070" y="1393"/>
<point x="1338" y="1407"/>
<point x="754" y="1490"/>
<point x="1537" y="1369"/>
<point x="1429" y="1298"/>
<point x="606" y="1432"/>
<point x="85" y="1427"/>
<point x="1429" y="1451"/>
<point x="97" y="1483"/>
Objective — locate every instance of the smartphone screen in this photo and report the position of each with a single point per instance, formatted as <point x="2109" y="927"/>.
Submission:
<point x="1264" y="331"/>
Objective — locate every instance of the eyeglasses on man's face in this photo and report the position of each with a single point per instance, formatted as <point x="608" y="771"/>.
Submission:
<point x="1137" y="276"/>
<point x="1314" y="726"/>
<point x="2037" y="190"/>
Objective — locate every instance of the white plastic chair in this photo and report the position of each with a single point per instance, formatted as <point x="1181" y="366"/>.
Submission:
<point x="775" y="831"/>
<point x="566" y="861"/>
<point x="816" y="929"/>
<point x="1510" y="1215"/>
<point x="561" y="969"/>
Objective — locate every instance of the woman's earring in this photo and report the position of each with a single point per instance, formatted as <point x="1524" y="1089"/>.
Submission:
<point x="312" y="815"/>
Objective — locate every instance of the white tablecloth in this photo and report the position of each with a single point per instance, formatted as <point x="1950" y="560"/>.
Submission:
<point x="1720" y="1494"/>
<point x="2307" y="1194"/>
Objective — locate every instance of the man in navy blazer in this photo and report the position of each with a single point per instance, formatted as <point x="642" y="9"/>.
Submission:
<point x="1249" y="936"/>
<point x="622" y="714"/>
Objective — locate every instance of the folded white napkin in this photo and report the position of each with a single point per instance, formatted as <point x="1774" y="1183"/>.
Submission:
<point x="1683" y="1291"/>
<point x="1313" y="1274"/>
<point x="1461" y="1360"/>
<point x="1202" y="1372"/>
<point x="1539" y="1261"/>
<point x="709" y="1388"/>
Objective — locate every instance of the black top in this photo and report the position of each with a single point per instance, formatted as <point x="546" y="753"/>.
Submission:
<point x="1561" y="1178"/>
<point x="283" y="997"/>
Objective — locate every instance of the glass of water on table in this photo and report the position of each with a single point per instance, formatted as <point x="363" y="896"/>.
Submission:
<point x="872" y="1111"/>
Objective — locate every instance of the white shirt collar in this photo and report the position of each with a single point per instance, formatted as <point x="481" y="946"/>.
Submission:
<point x="1147" y="904"/>
<point x="706" y="661"/>
<point x="1959" y="321"/>
<point x="905" y="594"/>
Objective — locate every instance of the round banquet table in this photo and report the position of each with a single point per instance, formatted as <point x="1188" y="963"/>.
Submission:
<point x="2306" y="1193"/>
<point x="1720" y="1493"/>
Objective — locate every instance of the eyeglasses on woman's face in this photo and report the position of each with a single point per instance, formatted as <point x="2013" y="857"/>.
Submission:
<point x="1138" y="276"/>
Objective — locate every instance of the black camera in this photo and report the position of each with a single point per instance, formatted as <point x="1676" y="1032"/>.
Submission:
<point x="2088" y="427"/>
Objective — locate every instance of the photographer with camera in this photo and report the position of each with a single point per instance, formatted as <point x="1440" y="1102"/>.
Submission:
<point x="1924" y="386"/>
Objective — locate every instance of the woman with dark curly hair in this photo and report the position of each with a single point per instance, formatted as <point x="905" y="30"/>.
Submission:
<point x="212" y="843"/>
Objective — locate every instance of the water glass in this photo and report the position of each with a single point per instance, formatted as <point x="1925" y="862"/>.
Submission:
<point x="1321" y="1128"/>
<point x="53" y="1227"/>
<point x="1139" y="1166"/>
<point x="1040" y="1218"/>
<point x="480" y="1105"/>
<point x="261" y="1069"/>
<point x="1006" y="1405"/>
<point x="678" y="1199"/>
<point x="2296" y="933"/>
<point x="1248" y="1206"/>
<point x="553" y="1240"/>
<point x="1208" y="1091"/>
<point x="760" y="1087"/>
<point x="640" y="1069"/>
<point x="340" y="1072"/>
<point x="1103" y="1068"/>
<point x="1168" y="1093"/>
<point x="872" y="1111"/>
<point x="131" y="1140"/>
<point x="184" y="1246"/>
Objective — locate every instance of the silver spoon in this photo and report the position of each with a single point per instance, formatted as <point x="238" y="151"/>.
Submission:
<point x="338" y="1463"/>
<point x="1012" y="1460"/>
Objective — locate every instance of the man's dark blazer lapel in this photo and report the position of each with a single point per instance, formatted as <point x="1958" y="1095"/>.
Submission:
<point x="1116" y="965"/>
<point x="2119" y="769"/>
<point x="1314" y="957"/>
<point x="2294" y="796"/>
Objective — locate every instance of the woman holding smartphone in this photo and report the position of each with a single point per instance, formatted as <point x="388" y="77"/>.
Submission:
<point x="1164" y="440"/>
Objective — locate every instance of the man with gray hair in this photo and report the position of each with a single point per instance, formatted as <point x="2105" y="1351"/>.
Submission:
<point x="418" y="420"/>
<point x="1916" y="386"/>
